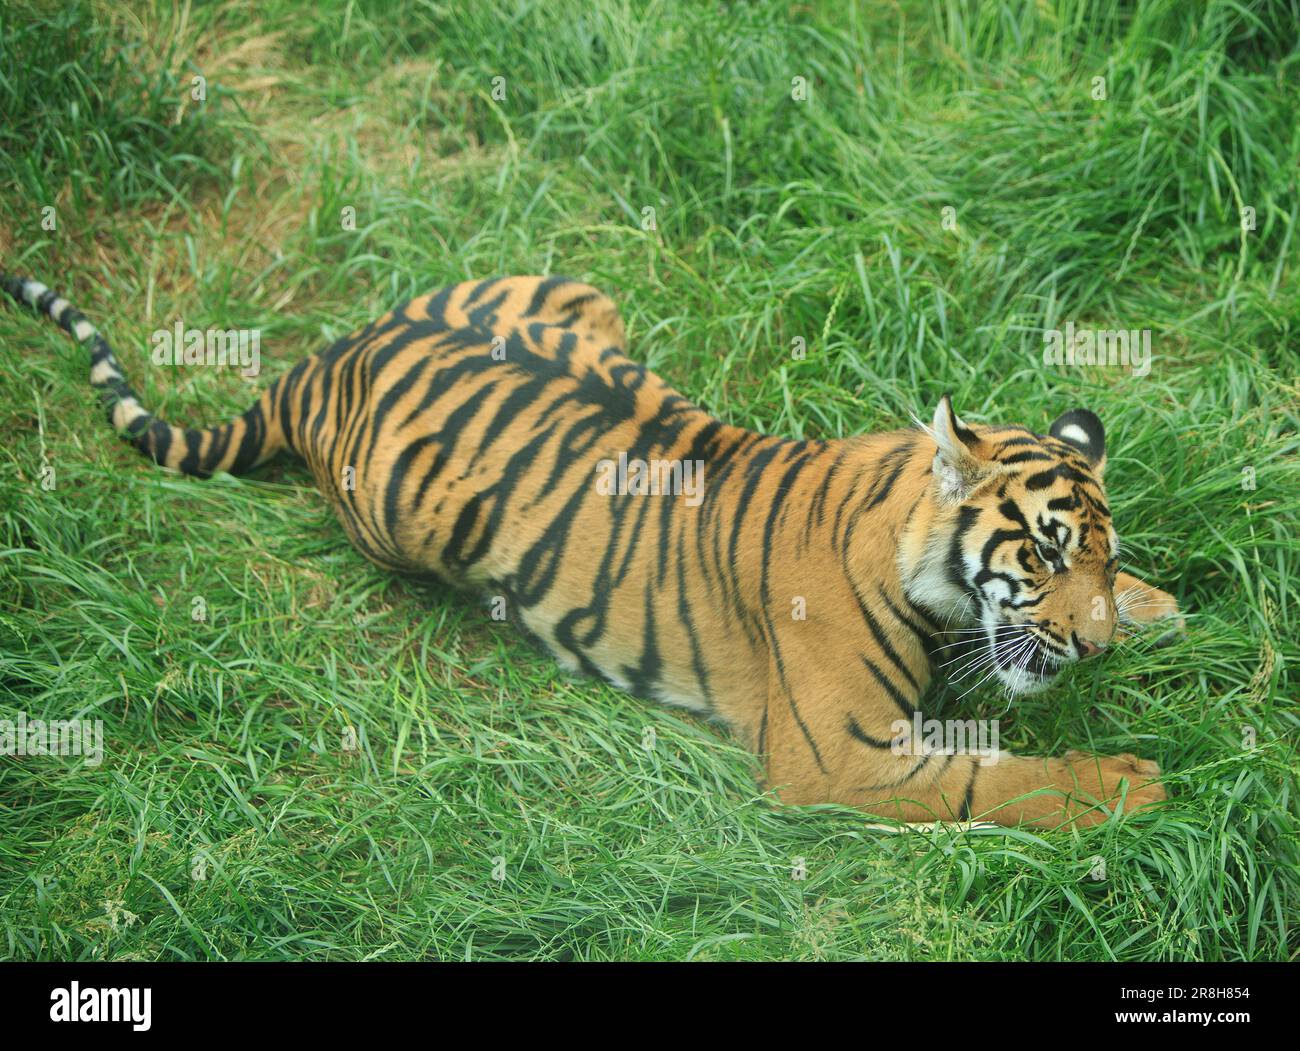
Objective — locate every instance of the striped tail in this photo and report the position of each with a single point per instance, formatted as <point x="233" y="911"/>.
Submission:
<point x="235" y="447"/>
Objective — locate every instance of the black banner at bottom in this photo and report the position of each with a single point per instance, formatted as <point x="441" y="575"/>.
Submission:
<point x="335" y="1000"/>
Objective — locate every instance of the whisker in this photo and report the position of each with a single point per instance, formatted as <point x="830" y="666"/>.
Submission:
<point x="977" y="660"/>
<point x="993" y="654"/>
<point x="950" y="645"/>
<point x="986" y="678"/>
<point x="1020" y="671"/>
<point x="973" y="661"/>
<point x="960" y="642"/>
<point x="967" y="642"/>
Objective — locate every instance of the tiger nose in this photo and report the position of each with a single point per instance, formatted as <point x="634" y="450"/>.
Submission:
<point x="1088" y="649"/>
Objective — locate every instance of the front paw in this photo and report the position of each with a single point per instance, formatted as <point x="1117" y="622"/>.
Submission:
<point x="1142" y="606"/>
<point x="1101" y="779"/>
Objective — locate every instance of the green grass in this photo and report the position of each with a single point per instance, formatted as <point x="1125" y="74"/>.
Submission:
<point x="776" y="220"/>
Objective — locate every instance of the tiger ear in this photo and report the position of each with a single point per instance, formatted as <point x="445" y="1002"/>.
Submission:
<point x="959" y="465"/>
<point x="1081" y="429"/>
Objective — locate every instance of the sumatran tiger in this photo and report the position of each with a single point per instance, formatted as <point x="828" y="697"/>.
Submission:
<point x="496" y="435"/>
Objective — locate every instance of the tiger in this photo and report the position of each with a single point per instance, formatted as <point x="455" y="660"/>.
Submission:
<point x="495" y="435"/>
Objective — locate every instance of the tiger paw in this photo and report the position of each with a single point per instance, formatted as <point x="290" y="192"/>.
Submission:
<point x="1101" y="779"/>
<point x="1141" y="605"/>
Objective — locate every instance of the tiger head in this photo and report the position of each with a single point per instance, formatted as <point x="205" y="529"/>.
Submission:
<point x="1020" y="546"/>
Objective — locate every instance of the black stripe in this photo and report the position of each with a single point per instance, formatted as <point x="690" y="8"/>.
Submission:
<point x="859" y="734"/>
<point x="955" y="563"/>
<point x="904" y="704"/>
<point x="544" y="288"/>
<point x="882" y="640"/>
<point x="970" y="791"/>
